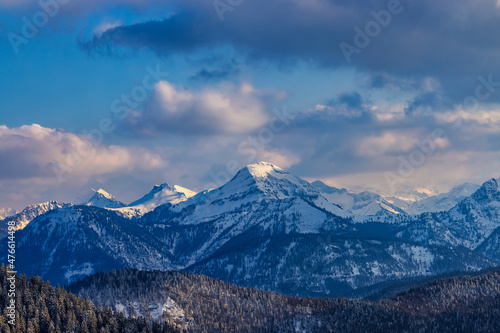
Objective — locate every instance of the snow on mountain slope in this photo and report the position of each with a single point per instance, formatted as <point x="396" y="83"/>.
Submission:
<point x="7" y="212"/>
<point x="329" y="265"/>
<point x="468" y="224"/>
<point x="443" y="202"/>
<point x="260" y="182"/>
<point x="475" y="218"/>
<point x="159" y="195"/>
<point x="67" y="244"/>
<point x="260" y="195"/>
<point x="103" y="199"/>
<point x="265" y="228"/>
<point x="364" y="203"/>
<point x="29" y="213"/>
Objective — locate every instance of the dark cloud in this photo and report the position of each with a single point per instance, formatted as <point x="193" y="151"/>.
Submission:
<point x="428" y="103"/>
<point x="453" y="40"/>
<point x="353" y="100"/>
<point x="214" y="74"/>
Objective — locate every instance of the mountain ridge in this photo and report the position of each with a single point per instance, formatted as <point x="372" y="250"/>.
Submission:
<point x="265" y="228"/>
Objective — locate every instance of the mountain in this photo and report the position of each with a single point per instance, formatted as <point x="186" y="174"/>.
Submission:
<point x="364" y="203"/>
<point x="103" y="199"/>
<point x="159" y="195"/>
<point x="22" y="219"/>
<point x="266" y="229"/>
<point x="260" y="196"/>
<point x="201" y="304"/>
<point x="472" y="223"/>
<point x="443" y="202"/>
<point x="67" y="244"/>
<point x="7" y="212"/>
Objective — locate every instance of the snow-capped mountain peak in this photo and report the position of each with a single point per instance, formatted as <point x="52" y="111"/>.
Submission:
<point x="104" y="194"/>
<point x="103" y="199"/>
<point x="258" y="184"/>
<point x="163" y="193"/>
<point x="263" y="169"/>
<point x="268" y="181"/>
<point x="159" y="195"/>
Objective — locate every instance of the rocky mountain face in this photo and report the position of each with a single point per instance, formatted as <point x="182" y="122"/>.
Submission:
<point x="267" y="229"/>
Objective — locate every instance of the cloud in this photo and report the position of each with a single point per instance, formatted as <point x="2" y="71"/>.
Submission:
<point x="489" y="120"/>
<point x="281" y="157"/>
<point x="214" y="74"/>
<point x="387" y="143"/>
<point x="458" y="166"/>
<point x="39" y="164"/>
<point x="450" y="39"/>
<point x="39" y="154"/>
<point x="105" y="26"/>
<point x="224" y="109"/>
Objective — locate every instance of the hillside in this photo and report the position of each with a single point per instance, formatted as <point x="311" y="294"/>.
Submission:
<point x="202" y="304"/>
<point x="43" y="308"/>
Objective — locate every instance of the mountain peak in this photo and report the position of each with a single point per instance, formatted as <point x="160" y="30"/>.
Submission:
<point x="103" y="199"/>
<point x="265" y="181"/>
<point x="488" y="191"/>
<point x="162" y="194"/>
<point x="263" y="169"/>
<point x="324" y="188"/>
<point x="159" y="188"/>
<point x="103" y="194"/>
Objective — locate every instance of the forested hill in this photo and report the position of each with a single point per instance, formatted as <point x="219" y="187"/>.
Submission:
<point x="41" y="308"/>
<point x="203" y="304"/>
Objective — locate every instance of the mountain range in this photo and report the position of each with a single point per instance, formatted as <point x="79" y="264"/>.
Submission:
<point x="267" y="229"/>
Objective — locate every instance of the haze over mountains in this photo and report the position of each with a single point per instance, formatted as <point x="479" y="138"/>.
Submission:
<point x="267" y="229"/>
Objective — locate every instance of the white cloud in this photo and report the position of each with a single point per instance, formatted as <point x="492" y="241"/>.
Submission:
<point x="386" y="112"/>
<point x="105" y="26"/>
<point x="489" y="119"/>
<point x="280" y="157"/>
<point x="388" y="142"/>
<point x="225" y="109"/>
<point x="33" y="156"/>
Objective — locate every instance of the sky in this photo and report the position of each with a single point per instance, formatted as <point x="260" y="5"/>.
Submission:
<point x="387" y="95"/>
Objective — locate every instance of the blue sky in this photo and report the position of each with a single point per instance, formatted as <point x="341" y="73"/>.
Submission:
<point x="384" y="95"/>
